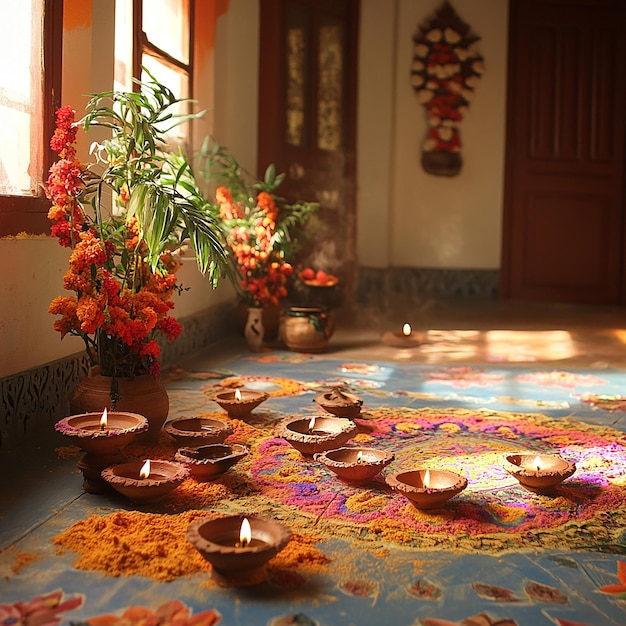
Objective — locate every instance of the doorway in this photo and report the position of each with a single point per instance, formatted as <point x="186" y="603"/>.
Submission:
<point x="564" y="233"/>
<point x="307" y="120"/>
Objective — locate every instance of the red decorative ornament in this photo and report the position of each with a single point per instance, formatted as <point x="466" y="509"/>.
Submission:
<point x="446" y="69"/>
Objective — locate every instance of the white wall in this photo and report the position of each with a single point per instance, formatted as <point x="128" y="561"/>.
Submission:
<point x="406" y="217"/>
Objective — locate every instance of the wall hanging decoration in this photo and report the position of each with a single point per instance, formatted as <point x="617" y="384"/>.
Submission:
<point x="446" y="69"/>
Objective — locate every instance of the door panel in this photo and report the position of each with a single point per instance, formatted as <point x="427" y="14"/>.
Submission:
<point x="308" y="67"/>
<point x="563" y="236"/>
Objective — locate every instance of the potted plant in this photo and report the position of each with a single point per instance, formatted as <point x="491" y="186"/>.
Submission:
<point x="261" y="231"/>
<point x="124" y="216"/>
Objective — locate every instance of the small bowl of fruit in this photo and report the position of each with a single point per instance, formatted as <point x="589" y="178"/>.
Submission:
<point x="317" y="278"/>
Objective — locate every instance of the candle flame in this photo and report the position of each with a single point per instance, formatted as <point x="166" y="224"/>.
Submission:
<point x="427" y="479"/>
<point x="237" y="395"/>
<point x="359" y="456"/>
<point x="103" y="419"/>
<point x="144" y="472"/>
<point x="406" y="330"/>
<point x="312" y="424"/>
<point x="245" y="534"/>
<point x="537" y="463"/>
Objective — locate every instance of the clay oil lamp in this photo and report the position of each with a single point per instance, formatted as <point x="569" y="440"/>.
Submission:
<point x="339" y="403"/>
<point x="145" y="482"/>
<point x="427" y="488"/>
<point x="102" y="436"/>
<point x="207" y="462"/>
<point x="193" y="432"/>
<point x="406" y="338"/>
<point x="316" y="434"/>
<point x="540" y="473"/>
<point x="238" y="547"/>
<point x="358" y="466"/>
<point x="240" y="402"/>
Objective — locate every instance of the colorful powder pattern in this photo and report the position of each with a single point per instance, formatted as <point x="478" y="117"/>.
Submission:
<point x="472" y="444"/>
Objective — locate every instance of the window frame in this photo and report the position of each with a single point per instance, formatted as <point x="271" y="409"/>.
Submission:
<point x="30" y="213"/>
<point x="142" y="45"/>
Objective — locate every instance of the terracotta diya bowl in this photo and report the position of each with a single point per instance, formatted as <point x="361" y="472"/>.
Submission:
<point x="207" y="462"/>
<point x="427" y="489"/>
<point x="85" y="430"/>
<point x="239" y="403"/>
<point x="317" y="434"/>
<point x="198" y="431"/>
<point x="219" y="542"/>
<point x="163" y="477"/>
<point x="339" y="403"/>
<point x="355" y="465"/>
<point x="538" y="473"/>
<point x="406" y="338"/>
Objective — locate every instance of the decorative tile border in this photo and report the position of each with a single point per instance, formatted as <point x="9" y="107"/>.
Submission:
<point x="377" y="286"/>
<point x="31" y="402"/>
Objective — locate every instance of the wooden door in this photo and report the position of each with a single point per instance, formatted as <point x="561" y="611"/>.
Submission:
<point x="307" y="120"/>
<point x="564" y="226"/>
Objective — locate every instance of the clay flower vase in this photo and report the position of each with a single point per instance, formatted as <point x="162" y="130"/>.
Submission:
<point x="207" y="462"/>
<point x="306" y="329"/>
<point x="142" y="394"/>
<point x="198" y="431"/>
<point x="253" y="330"/>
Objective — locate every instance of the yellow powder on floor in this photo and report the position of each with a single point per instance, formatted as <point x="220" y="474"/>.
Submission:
<point x="18" y="559"/>
<point x="132" y="542"/>
<point x="365" y="502"/>
<point x="155" y="545"/>
<point x="191" y="494"/>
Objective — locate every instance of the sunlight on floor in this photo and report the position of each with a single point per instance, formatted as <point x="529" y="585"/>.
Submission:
<point x="501" y="345"/>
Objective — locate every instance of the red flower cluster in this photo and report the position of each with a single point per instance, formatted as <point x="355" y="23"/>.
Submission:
<point x="120" y="306"/>
<point x="263" y="271"/>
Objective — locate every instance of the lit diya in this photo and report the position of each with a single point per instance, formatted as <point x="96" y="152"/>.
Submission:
<point x="146" y="482"/>
<point x="198" y="431"/>
<point x="238" y="547"/>
<point x="339" y="403"/>
<point x="102" y="436"/>
<point x="207" y="462"/>
<point x="538" y="473"/>
<point x="355" y="465"/>
<point x="316" y="434"/>
<point x="406" y="338"/>
<point x="240" y="402"/>
<point x="427" y="488"/>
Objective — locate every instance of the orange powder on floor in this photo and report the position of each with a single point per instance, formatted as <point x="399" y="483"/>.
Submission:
<point x="155" y="545"/>
<point x="132" y="542"/>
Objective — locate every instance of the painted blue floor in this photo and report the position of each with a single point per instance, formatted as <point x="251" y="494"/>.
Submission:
<point x="401" y="585"/>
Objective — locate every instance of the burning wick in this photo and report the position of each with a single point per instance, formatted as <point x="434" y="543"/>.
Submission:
<point x="237" y="395"/>
<point x="245" y="534"/>
<point x="103" y="420"/>
<point x="406" y="330"/>
<point x="144" y="472"/>
<point x="427" y="479"/>
<point x="359" y="457"/>
<point x="311" y="425"/>
<point x="537" y="463"/>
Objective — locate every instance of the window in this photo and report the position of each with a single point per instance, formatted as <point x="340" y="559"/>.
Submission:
<point x="30" y="87"/>
<point x="156" y="35"/>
